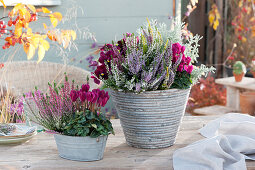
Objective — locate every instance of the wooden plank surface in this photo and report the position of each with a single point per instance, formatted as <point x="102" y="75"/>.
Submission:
<point x="41" y="152"/>
<point x="247" y="82"/>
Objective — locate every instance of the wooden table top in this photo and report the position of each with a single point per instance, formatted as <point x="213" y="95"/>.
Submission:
<point x="246" y="83"/>
<point x="41" y="152"/>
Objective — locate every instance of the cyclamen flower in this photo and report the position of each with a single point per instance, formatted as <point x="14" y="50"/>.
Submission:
<point x="85" y="87"/>
<point x="189" y="68"/>
<point x="74" y="95"/>
<point x="83" y="96"/>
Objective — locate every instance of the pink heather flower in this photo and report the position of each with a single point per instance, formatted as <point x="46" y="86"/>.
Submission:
<point x="83" y="96"/>
<point x="85" y="87"/>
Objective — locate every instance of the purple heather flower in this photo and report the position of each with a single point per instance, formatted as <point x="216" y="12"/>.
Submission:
<point x="138" y="87"/>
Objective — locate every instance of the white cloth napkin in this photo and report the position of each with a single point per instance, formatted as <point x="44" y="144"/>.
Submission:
<point x="230" y="140"/>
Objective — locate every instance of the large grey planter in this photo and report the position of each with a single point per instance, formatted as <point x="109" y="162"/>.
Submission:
<point x="151" y="119"/>
<point x="80" y="148"/>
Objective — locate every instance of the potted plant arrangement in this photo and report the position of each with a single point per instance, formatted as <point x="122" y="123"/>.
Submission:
<point x="239" y="71"/>
<point x="74" y="116"/>
<point x="150" y="75"/>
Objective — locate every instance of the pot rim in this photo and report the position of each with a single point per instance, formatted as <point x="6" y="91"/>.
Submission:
<point x="59" y="134"/>
<point x="149" y="92"/>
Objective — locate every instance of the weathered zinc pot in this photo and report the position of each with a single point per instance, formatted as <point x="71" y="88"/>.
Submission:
<point x="80" y="148"/>
<point x="151" y="119"/>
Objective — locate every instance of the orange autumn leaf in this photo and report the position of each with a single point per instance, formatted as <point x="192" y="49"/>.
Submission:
<point x="3" y="3"/>
<point x="52" y="35"/>
<point x="57" y="15"/>
<point x="53" y="20"/>
<point x="45" y="10"/>
<point x="26" y="47"/>
<point x="18" y="29"/>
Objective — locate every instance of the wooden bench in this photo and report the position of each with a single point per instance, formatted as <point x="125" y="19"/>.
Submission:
<point x="41" y="151"/>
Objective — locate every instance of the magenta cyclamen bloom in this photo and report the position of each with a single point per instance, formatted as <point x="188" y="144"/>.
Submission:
<point x="83" y="96"/>
<point x="74" y="95"/>
<point x="85" y="87"/>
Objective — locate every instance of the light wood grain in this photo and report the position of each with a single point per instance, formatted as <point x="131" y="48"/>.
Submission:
<point x="41" y="153"/>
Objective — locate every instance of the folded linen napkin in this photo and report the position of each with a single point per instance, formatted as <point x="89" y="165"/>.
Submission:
<point x="230" y="140"/>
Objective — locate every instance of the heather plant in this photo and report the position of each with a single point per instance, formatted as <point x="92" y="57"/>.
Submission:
<point x="156" y="58"/>
<point x="11" y="108"/>
<point x="71" y="110"/>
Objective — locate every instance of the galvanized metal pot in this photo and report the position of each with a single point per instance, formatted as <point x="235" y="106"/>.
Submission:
<point x="151" y="119"/>
<point x="80" y="148"/>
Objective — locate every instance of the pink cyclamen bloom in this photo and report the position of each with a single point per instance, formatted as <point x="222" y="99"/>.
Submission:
<point x="182" y="49"/>
<point x="188" y="60"/>
<point x="74" y="95"/>
<point x="176" y="48"/>
<point x="85" y="87"/>
<point x="83" y="96"/>
<point x="94" y="96"/>
<point x="189" y="69"/>
<point x="180" y="68"/>
<point x="89" y="96"/>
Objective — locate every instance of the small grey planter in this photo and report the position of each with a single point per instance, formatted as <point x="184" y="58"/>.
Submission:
<point x="80" y="148"/>
<point x="151" y="119"/>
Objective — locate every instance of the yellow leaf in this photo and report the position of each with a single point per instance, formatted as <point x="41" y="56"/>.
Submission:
<point x="29" y="31"/>
<point x="57" y="15"/>
<point x="215" y="24"/>
<point x="26" y="47"/>
<point x="41" y="53"/>
<point x="211" y="18"/>
<point x="45" y="10"/>
<point x="53" y="20"/>
<point x="32" y="8"/>
<point x="31" y="52"/>
<point x="3" y="3"/>
<point x="73" y="34"/>
<point x="18" y="29"/>
<point x="45" y="44"/>
<point x="45" y="26"/>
